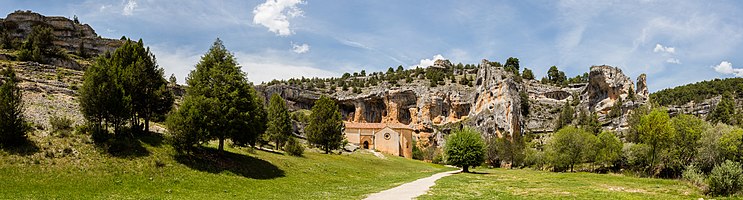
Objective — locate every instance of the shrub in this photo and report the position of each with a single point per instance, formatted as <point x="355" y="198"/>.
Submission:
<point x="726" y="178"/>
<point x="636" y="156"/>
<point x="293" y="147"/>
<point x="695" y="176"/>
<point x="417" y="152"/>
<point x="465" y="148"/>
<point x="60" y="124"/>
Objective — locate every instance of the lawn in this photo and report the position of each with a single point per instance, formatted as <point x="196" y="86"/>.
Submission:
<point x="531" y="184"/>
<point x="80" y="170"/>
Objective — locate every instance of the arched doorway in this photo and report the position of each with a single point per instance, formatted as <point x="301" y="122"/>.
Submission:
<point x="366" y="145"/>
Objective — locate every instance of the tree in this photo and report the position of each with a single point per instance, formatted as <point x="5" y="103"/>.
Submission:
<point x="656" y="131"/>
<point x="279" y="124"/>
<point x="724" y="111"/>
<point x="566" y="116"/>
<point x="555" y="76"/>
<point x="13" y="126"/>
<point x="689" y="131"/>
<point x="512" y="65"/>
<point x="524" y="103"/>
<point x="225" y="102"/>
<point x="569" y="146"/>
<point x="38" y="45"/>
<point x="632" y="134"/>
<point x="102" y="99"/>
<point x="174" y="81"/>
<point x="325" y="127"/>
<point x="465" y="148"/>
<point x="527" y="74"/>
<point x="609" y="148"/>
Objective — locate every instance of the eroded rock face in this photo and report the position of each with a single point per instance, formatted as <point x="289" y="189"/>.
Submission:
<point x="496" y="102"/>
<point x="642" y="87"/>
<point x="70" y="35"/>
<point x="492" y="105"/>
<point x="606" y="85"/>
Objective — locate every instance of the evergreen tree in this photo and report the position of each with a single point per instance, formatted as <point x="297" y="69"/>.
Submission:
<point x="279" y="124"/>
<point x="13" y="126"/>
<point x="528" y="74"/>
<point x="724" y="112"/>
<point x="224" y="101"/>
<point x="566" y="116"/>
<point x="103" y="101"/>
<point x="325" y="127"/>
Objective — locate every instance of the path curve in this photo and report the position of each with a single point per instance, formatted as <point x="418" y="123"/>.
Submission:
<point x="412" y="189"/>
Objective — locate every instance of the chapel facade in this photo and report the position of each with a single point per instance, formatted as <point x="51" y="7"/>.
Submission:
<point x="390" y="138"/>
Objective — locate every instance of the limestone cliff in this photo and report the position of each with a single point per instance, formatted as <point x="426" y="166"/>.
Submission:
<point x="69" y="34"/>
<point x="492" y="104"/>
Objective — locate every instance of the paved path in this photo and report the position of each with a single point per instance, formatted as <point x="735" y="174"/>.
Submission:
<point x="380" y="155"/>
<point x="412" y="189"/>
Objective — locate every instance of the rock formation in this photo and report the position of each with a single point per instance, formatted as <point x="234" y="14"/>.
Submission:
<point x="70" y="35"/>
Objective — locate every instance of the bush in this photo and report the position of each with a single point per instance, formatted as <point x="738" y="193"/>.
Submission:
<point x="465" y="148"/>
<point x="695" y="176"/>
<point x="636" y="156"/>
<point x="726" y="178"/>
<point x="61" y="124"/>
<point x="417" y="152"/>
<point x="293" y="147"/>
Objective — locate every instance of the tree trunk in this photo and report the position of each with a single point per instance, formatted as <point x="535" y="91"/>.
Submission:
<point x="466" y="169"/>
<point x="147" y="125"/>
<point x="221" y="143"/>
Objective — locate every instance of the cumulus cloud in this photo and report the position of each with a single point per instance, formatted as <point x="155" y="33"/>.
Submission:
<point x="664" y="49"/>
<point x="275" y="15"/>
<point x="428" y="62"/>
<point x="128" y="8"/>
<point x="300" y="49"/>
<point x="726" y="67"/>
<point x="673" y="60"/>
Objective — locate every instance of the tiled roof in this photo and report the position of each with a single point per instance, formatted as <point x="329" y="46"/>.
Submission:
<point x="376" y="125"/>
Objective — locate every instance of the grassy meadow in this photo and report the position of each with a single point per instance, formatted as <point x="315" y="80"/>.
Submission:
<point x="73" y="167"/>
<point x="531" y="184"/>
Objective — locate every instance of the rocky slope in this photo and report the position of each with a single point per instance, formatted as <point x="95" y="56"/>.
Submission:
<point x="70" y="35"/>
<point x="492" y="104"/>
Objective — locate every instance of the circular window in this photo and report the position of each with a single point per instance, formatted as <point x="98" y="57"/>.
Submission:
<point x="387" y="136"/>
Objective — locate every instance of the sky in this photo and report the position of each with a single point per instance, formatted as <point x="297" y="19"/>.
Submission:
<point x="673" y="42"/>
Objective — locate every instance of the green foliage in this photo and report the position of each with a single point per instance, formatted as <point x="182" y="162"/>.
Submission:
<point x="60" y="124"/>
<point x="636" y="156"/>
<point x="656" y="131"/>
<point x="325" y="128"/>
<point x="512" y="65"/>
<point x="566" y="116"/>
<point x="695" y="176"/>
<point x="726" y="178"/>
<point x="221" y="102"/>
<point x="279" y="124"/>
<point x="698" y="92"/>
<point x="632" y="134"/>
<point x="527" y="74"/>
<point x="38" y="45"/>
<point x="689" y="131"/>
<point x="13" y="125"/>
<point x="724" y="112"/>
<point x="589" y="121"/>
<point x="464" y="148"/>
<point x="609" y="149"/>
<point x="293" y="147"/>
<point x="616" y="109"/>
<point x="555" y="76"/>
<point x="570" y="146"/>
<point x="435" y="76"/>
<point x="524" y="98"/>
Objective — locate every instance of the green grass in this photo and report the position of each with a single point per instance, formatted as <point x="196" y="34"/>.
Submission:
<point x="531" y="184"/>
<point x="152" y="172"/>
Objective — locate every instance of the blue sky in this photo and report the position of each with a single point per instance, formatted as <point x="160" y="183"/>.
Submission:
<point x="673" y="42"/>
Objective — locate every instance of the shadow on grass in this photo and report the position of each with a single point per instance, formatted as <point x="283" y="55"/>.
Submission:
<point x="213" y="161"/>
<point x="22" y="147"/>
<point x="124" y="144"/>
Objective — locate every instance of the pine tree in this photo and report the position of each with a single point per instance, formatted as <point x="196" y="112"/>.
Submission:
<point x="279" y="124"/>
<point x="13" y="126"/>
<point x="225" y="103"/>
<point x="724" y="112"/>
<point x="325" y="126"/>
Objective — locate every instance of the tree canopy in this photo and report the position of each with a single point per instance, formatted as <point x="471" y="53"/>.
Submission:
<point x="325" y="128"/>
<point x="279" y="124"/>
<point x="13" y="126"/>
<point x="465" y="148"/>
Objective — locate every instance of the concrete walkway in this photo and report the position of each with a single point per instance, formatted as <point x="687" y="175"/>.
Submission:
<point x="412" y="189"/>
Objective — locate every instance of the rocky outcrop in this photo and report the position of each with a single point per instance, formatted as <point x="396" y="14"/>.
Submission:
<point x="70" y="35"/>
<point x="496" y="102"/>
<point x="492" y="105"/>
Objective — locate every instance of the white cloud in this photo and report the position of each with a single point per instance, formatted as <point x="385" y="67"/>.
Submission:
<point x="428" y="62"/>
<point x="300" y="49"/>
<point x="661" y="48"/>
<point x="128" y="8"/>
<point x="726" y="67"/>
<point x="673" y="60"/>
<point x="267" y="66"/>
<point x="273" y="15"/>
